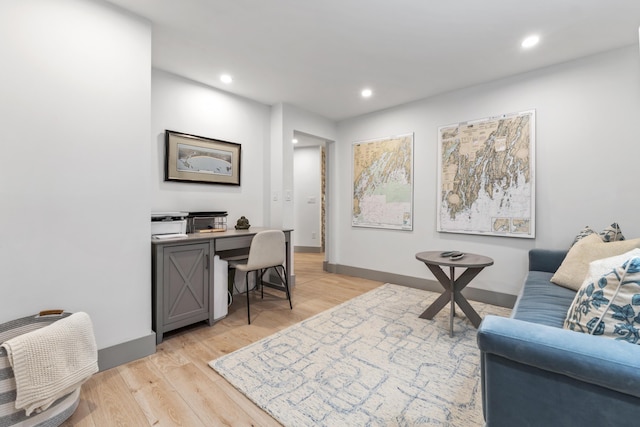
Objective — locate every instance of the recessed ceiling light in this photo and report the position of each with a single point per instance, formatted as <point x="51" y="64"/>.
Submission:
<point x="530" y="41"/>
<point x="294" y="140"/>
<point x="366" y="93"/>
<point x="226" y="78"/>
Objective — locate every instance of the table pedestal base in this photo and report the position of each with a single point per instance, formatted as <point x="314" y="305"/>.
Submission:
<point x="452" y="294"/>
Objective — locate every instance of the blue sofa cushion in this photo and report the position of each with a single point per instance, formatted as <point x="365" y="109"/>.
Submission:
<point x="542" y="302"/>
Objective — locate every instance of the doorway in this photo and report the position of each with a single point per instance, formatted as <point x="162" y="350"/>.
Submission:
<point x="310" y="194"/>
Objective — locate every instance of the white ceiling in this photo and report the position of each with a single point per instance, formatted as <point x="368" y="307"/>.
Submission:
<point x="318" y="55"/>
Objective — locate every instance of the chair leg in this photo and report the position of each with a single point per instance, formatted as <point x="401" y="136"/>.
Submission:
<point x="247" y="284"/>
<point x="259" y="282"/>
<point x="283" y="277"/>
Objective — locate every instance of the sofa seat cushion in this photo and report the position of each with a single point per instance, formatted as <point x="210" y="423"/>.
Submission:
<point x="543" y="302"/>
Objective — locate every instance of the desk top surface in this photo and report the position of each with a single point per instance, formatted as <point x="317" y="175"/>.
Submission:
<point x="468" y="260"/>
<point x="195" y="237"/>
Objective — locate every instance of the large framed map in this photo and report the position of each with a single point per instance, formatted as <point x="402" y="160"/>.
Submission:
<point x="383" y="183"/>
<point x="486" y="176"/>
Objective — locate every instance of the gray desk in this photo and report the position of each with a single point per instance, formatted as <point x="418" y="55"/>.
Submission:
<point x="473" y="263"/>
<point x="183" y="275"/>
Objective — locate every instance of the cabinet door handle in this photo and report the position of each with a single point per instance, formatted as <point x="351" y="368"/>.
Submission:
<point x="206" y="265"/>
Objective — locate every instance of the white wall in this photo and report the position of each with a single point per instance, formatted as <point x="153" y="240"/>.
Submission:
<point x="183" y="105"/>
<point x="307" y="196"/>
<point x="74" y="170"/>
<point x="587" y="149"/>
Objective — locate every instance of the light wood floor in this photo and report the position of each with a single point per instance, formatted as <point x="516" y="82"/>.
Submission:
<point x="176" y="387"/>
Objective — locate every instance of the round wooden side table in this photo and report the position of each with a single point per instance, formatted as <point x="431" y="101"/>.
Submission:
<point x="473" y="263"/>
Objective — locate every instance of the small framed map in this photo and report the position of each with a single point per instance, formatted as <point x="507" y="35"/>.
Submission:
<point x="486" y="181"/>
<point x="383" y="183"/>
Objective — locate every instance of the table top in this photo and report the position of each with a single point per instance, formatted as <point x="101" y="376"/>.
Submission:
<point x="468" y="260"/>
<point x="229" y="233"/>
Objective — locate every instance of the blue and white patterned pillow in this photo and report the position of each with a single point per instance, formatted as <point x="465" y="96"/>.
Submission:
<point x="586" y="231"/>
<point x="612" y="233"/>
<point x="609" y="304"/>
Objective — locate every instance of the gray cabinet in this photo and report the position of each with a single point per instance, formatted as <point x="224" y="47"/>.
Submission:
<point x="181" y="286"/>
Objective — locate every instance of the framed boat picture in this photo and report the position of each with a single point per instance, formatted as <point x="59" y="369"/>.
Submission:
<point x="191" y="158"/>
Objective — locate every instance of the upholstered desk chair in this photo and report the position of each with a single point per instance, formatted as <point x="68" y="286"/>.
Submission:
<point x="267" y="251"/>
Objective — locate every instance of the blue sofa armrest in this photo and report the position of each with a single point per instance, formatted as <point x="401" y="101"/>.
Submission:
<point x="547" y="260"/>
<point x="534" y="374"/>
<point x="601" y="361"/>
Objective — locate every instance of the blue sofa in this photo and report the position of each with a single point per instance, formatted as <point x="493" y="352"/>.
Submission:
<point x="534" y="373"/>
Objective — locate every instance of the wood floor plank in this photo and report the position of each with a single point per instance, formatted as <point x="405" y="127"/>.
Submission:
<point x="82" y="416"/>
<point x="140" y="373"/>
<point x="175" y="386"/>
<point x="162" y="404"/>
<point x="110" y="401"/>
<point x="203" y="395"/>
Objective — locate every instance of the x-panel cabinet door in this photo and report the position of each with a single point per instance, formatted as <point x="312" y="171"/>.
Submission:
<point x="186" y="283"/>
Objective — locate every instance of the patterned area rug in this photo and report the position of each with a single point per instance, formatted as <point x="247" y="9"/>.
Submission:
<point x="370" y="361"/>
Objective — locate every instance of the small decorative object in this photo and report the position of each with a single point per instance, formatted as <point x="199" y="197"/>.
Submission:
<point x="242" y="224"/>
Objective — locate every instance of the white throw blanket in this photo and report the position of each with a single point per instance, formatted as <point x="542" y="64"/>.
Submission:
<point x="51" y="362"/>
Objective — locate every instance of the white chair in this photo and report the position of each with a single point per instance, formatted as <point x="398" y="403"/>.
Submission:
<point x="267" y="251"/>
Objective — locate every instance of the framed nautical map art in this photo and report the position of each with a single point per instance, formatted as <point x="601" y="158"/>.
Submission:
<point x="486" y="176"/>
<point x="191" y="158"/>
<point x="383" y="183"/>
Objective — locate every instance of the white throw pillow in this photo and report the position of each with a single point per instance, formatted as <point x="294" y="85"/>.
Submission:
<point x="609" y="304"/>
<point x="600" y="267"/>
